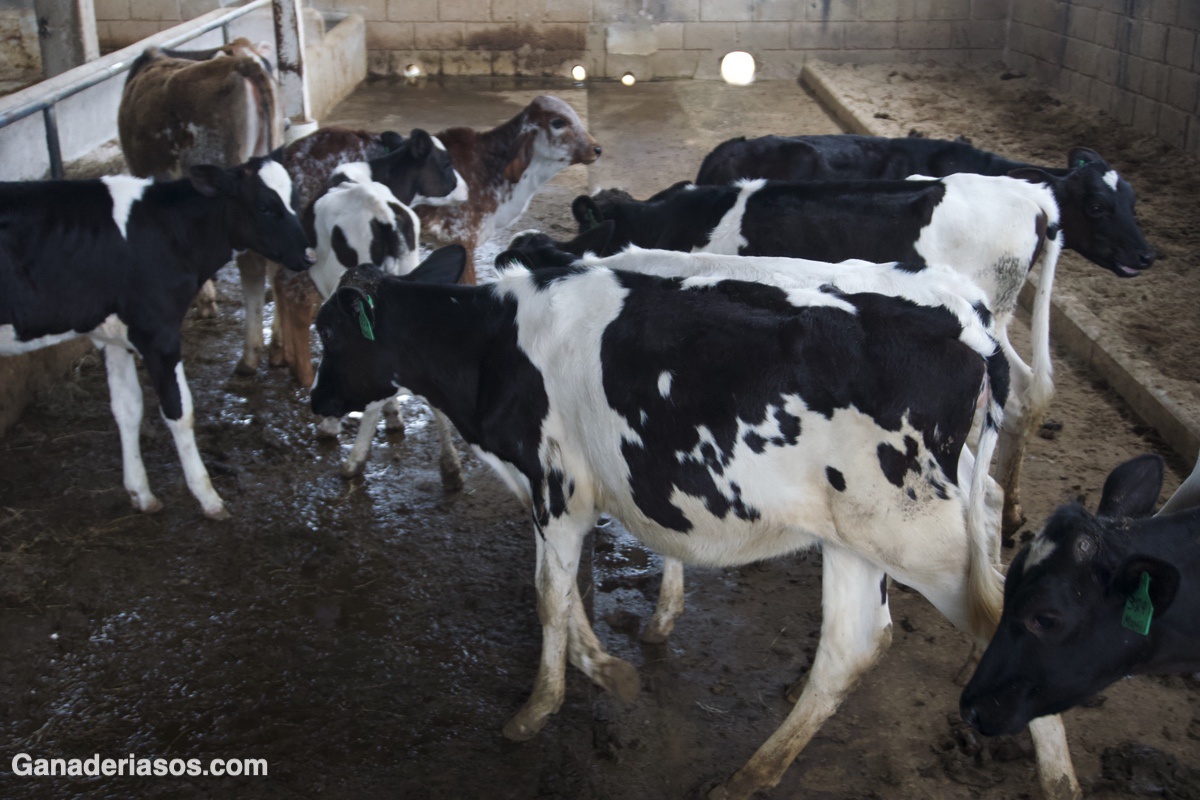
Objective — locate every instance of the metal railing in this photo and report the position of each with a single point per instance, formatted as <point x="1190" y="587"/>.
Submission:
<point x="45" y="95"/>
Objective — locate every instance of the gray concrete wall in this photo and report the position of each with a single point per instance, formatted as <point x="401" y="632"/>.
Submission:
<point x="20" y="54"/>
<point x="653" y="38"/>
<point x="1137" y="59"/>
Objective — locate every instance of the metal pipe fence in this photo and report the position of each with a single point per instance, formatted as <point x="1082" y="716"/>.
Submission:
<point x="45" y="95"/>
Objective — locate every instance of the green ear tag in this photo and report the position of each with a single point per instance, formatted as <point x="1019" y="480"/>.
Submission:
<point x="1081" y="163"/>
<point x="364" y="323"/>
<point x="1139" y="609"/>
<point x="592" y="221"/>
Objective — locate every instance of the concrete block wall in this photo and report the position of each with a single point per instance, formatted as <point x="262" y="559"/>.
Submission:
<point x="668" y="38"/>
<point x="1137" y="59"/>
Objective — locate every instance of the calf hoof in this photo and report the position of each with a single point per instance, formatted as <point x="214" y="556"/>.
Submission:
<point x="452" y="481"/>
<point x="620" y="679"/>
<point x="524" y="726"/>
<point x="245" y="368"/>
<point x="794" y="691"/>
<point x="655" y="633"/>
<point x="149" y="505"/>
<point x="329" y="428"/>
<point x="206" y="310"/>
<point x="275" y="355"/>
<point x="1013" y="521"/>
<point x="219" y="513"/>
<point x="352" y="469"/>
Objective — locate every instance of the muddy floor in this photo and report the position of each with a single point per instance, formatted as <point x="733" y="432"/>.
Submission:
<point x="369" y="638"/>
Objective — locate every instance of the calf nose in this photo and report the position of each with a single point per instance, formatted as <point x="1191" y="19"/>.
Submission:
<point x="596" y="150"/>
<point x="310" y="256"/>
<point x="1146" y="259"/>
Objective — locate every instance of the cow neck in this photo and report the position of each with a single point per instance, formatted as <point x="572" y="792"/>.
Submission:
<point x="500" y="143"/>
<point x="197" y="226"/>
<point x="403" y="189"/>
<point x="445" y="333"/>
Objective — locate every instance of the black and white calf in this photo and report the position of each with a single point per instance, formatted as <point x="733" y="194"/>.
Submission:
<point x="722" y="421"/>
<point x="1091" y="599"/>
<point x="119" y="260"/>
<point x="994" y="230"/>
<point x="1097" y="204"/>
<point x="365" y="218"/>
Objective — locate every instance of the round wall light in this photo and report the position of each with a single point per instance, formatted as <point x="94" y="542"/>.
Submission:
<point x="628" y="79"/>
<point x="578" y="72"/>
<point x="737" y="68"/>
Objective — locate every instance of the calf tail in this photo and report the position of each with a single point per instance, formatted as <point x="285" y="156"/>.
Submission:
<point x="985" y="588"/>
<point x="1041" y="387"/>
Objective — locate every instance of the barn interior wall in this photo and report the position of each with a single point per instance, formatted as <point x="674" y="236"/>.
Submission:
<point x="1137" y="59"/>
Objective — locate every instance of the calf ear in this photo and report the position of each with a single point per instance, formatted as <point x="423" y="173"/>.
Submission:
<point x="512" y="258"/>
<point x="444" y="265"/>
<point x="522" y="158"/>
<point x="1082" y="156"/>
<point x="1032" y="175"/>
<point x="594" y="240"/>
<point x="1131" y="490"/>
<point x="585" y="211"/>
<point x="391" y="140"/>
<point x="421" y="143"/>
<point x="209" y="179"/>
<point x="1164" y="580"/>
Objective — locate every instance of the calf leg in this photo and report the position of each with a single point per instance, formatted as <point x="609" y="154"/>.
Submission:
<point x="175" y="399"/>
<point x="1019" y="419"/>
<point x="448" y="461"/>
<point x="206" y="300"/>
<point x="393" y="418"/>
<point x="357" y="458"/>
<point x="1056" y="773"/>
<point x="558" y="546"/>
<point x="670" y="603"/>
<point x="855" y="630"/>
<point x="615" y="675"/>
<point x="253" y="270"/>
<point x="329" y="427"/>
<point x="125" y="395"/>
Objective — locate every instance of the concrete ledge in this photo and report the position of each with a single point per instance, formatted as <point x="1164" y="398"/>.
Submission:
<point x="1073" y="325"/>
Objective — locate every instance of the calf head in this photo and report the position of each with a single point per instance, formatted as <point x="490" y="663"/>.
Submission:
<point x="637" y="222"/>
<point x="364" y="342"/>
<point x="259" y="209"/>
<point x="1061" y="636"/>
<point x="536" y="250"/>
<point x="418" y="171"/>
<point x="1097" y="207"/>
<point x="551" y="131"/>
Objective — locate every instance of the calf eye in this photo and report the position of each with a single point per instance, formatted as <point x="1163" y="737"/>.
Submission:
<point x="1042" y="623"/>
<point x="558" y="123"/>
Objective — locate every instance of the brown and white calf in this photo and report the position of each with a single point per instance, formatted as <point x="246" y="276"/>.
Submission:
<point x="183" y="108"/>
<point x="310" y="162"/>
<point x="504" y="167"/>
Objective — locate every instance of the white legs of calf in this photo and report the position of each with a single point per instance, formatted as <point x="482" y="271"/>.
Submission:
<point x="253" y="271"/>
<point x="125" y="397"/>
<point x="183" y="431"/>
<point x="449" y="463"/>
<point x="855" y="630"/>
<point x="1056" y="773"/>
<point x="565" y="629"/>
<point x="670" y="603"/>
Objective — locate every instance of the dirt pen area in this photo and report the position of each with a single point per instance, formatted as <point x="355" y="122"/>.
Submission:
<point x="369" y="638"/>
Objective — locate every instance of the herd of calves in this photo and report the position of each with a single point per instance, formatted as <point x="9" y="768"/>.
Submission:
<point x="806" y="346"/>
